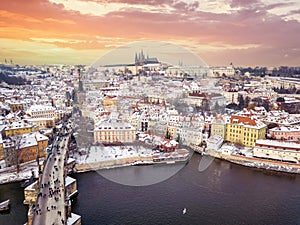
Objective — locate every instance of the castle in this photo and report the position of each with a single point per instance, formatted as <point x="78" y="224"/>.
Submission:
<point x="141" y="59"/>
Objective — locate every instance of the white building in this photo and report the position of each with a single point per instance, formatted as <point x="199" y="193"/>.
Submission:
<point x="190" y="136"/>
<point x="41" y="111"/>
<point x="114" y="132"/>
<point x="214" y="142"/>
<point x="220" y="70"/>
<point x="184" y="71"/>
<point x="277" y="150"/>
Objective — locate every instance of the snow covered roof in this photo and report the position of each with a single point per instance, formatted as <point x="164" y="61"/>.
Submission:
<point x="173" y="142"/>
<point x="247" y="122"/>
<point x="18" y="125"/>
<point x="69" y="180"/>
<point x="286" y="129"/>
<point x="71" y="220"/>
<point x="215" y="139"/>
<point x="39" y="108"/>
<point x="40" y="119"/>
<point x="40" y="137"/>
<point x="282" y="144"/>
<point x="27" y="141"/>
<point x="10" y="116"/>
<point x="113" y="125"/>
<point x="70" y="160"/>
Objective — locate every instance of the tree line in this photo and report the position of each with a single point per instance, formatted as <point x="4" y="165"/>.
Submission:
<point x="11" y="79"/>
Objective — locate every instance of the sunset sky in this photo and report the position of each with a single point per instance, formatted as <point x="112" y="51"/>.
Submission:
<point x="245" y="32"/>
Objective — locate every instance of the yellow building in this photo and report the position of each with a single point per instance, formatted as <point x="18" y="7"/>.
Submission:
<point x="42" y="143"/>
<point x="16" y="106"/>
<point x="172" y="130"/>
<point x="43" y="122"/>
<point x="244" y="130"/>
<point x="18" y="128"/>
<point x="30" y="146"/>
<point x="109" y="103"/>
<point x="114" y="132"/>
<point x="218" y="127"/>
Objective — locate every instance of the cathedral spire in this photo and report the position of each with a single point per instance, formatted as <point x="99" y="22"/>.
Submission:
<point x="136" y="58"/>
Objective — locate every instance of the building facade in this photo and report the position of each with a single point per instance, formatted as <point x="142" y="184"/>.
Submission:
<point x="24" y="148"/>
<point x="43" y="122"/>
<point x="245" y="131"/>
<point x="218" y="126"/>
<point x="277" y="150"/>
<point x="285" y="133"/>
<point x="189" y="136"/>
<point x="18" y="128"/>
<point x="41" y="111"/>
<point x="114" y="132"/>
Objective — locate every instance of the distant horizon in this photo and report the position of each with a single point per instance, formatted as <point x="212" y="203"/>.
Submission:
<point x="77" y="64"/>
<point x="250" y="33"/>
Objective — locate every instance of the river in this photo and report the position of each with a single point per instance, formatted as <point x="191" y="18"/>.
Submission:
<point x="18" y="212"/>
<point x="224" y="193"/>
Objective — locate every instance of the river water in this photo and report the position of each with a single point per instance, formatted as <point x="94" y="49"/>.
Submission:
<point x="18" y="212"/>
<point x="224" y="193"/>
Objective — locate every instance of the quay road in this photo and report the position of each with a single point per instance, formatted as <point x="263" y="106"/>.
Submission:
<point x="50" y="205"/>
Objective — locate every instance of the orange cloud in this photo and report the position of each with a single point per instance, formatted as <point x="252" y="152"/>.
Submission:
<point x="243" y="32"/>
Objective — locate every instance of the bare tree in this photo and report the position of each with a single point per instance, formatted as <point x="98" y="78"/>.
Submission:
<point x="13" y="152"/>
<point x="17" y="144"/>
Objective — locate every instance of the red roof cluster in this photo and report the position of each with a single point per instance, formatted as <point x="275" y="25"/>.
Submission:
<point x="196" y="94"/>
<point x="242" y="119"/>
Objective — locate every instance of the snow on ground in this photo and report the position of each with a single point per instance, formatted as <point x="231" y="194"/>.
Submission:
<point x="9" y="174"/>
<point x="105" y="153"/>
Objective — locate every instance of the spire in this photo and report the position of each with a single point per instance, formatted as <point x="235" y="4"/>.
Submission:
<point x="136" y="58"/>
<point x="142" y="54"/>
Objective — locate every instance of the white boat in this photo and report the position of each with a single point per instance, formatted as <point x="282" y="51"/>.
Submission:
<point x="184" y="211"/>
<point x="4" y="206"/>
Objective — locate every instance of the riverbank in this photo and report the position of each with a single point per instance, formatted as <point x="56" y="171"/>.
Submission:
<point x="10" y="174"/>
<point x="110" y="164"/>
<point x="107" y="157"/>
<point x="257" y="162"/>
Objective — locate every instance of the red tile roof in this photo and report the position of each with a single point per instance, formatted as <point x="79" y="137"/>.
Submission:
<point x="242" y="119"/>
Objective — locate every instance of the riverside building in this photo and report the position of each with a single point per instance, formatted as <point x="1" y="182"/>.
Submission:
<point x="286" y="133"/>
<point x="244" y="130"/>
<point x="277" y="150"/>
<point x="114" y="132"/>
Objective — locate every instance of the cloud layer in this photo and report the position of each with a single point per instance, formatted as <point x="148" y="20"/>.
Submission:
<point x="245" y="32"/>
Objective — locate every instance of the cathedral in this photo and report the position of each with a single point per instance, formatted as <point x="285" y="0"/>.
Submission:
<point x="141" y="59"/>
